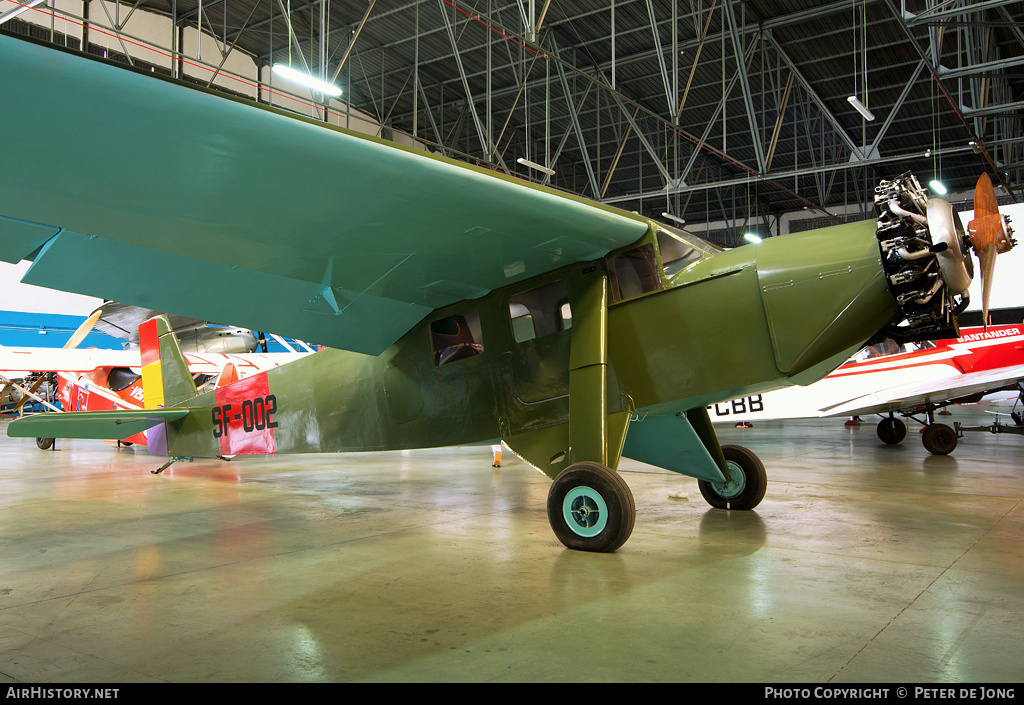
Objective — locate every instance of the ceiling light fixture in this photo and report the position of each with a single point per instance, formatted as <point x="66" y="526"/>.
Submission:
<point x="305" y="79"/>
<point x="861" y="108"/>
<point x="752" y="237"/>
<point x="675" y="218"/>
<point x="18" y="10"/>
<point x="535" y="165"/>
<point x="938" y="188"/>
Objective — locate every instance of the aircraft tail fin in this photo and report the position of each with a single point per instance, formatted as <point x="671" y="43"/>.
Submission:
<point x="228" y="375"/>
<point x="165" y="377"/>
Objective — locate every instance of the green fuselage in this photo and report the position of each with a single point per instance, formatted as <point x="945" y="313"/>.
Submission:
<point x="729" y="324"/>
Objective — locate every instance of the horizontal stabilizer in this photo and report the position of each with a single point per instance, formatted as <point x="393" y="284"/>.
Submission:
<point x="111" y="425"/>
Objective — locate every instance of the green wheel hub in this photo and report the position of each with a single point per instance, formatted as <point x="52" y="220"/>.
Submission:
<point x="590" y="507"/>
<point x="734" y="486"/>
<point x="585" y="511"/>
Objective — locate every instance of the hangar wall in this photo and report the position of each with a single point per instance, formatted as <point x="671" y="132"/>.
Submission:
<point x="149" y="38"/>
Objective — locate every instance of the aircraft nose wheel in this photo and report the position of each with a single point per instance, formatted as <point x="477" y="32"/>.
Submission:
<point x="591" y="508"/>
<point x="747" y="484"/>
<point x="939" y="439"/>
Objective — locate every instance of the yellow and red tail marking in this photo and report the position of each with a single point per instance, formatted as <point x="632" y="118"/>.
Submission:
<point x="152" y="377"/>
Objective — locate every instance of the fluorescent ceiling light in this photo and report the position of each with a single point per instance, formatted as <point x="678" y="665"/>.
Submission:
<point x="675" y="218"/>
<point x="18" y="10"/>
<point x="305" y="79"/>
<point x="861" y="108"/>
<point x="938" y="188"/>
<point x="752" y="237"/>
<point x="535" y="165"/>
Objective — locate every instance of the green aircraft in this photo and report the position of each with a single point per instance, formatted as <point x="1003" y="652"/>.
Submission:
<point x="459" y="305"/>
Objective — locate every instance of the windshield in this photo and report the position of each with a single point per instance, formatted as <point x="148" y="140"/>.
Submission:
<point x="679" y="249"/>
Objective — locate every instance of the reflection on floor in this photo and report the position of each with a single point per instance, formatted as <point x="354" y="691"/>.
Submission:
<point x="863" y="563"/>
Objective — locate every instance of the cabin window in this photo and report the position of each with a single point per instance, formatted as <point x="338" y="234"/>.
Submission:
<point x="676" y="253"/>
<point x="539" y="312"/>
<point x="633" y="272"/>
<point x="456" y="337"/>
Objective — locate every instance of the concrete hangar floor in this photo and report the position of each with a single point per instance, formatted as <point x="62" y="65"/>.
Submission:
<point x="864" y="563"/>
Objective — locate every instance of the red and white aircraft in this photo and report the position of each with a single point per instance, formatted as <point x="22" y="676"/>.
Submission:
<point x="980" y="361"/>
<point x="108" y="380"/>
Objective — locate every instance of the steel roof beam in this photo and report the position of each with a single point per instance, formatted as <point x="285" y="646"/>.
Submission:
<point x="579" y="131"/>
<point x="813" y="95"/>
<point x="487" y="148"/>
<point x="934" y="14"/>
<point x="935" y="75"/>
<point x="748" y="103"/>
<point x="806" y="171"/>
<point x="661" y="58"/>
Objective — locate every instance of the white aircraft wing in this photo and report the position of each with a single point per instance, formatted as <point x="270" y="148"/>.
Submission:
<point x="933" y="391"/>
<point x="18" y="362"/>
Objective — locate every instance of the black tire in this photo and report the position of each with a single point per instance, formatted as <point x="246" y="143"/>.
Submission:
<point x="748" y="485"/>
<point x="44" y="443"/>
<point x="591" y="508"/>
<point x="891" y="430"/>
<point x="939" y="439"/>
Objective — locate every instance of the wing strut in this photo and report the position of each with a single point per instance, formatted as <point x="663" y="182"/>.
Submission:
<point x="592" y="434"/>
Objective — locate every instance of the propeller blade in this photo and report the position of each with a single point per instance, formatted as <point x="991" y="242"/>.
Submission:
<point x="83" y="330"/>
<point x="988" y="226"/>
<point x="985" y="197"/>
<point x="988" y="266"/>
<point x="26" y="397"/>
<point x="990" y="236"/>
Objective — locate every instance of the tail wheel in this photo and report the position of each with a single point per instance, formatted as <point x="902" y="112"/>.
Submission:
<point x="891" y="431"/>
<point x="939" y="439"/>
<point x="746" y="485"/>
<point x="44" y="443"/>
<point x="591" y="508"/>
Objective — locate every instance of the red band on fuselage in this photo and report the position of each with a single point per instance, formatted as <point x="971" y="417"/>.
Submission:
<point x="245" y="417"/>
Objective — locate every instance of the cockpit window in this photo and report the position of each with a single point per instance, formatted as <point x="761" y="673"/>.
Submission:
<point x="539" y="312"/>
<point x="456" y="337"/>
<point x="633" y="272"/>
<point x="889" y="347"/>
<point x="678" y="251"/>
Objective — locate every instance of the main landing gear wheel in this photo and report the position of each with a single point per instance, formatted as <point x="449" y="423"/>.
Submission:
<point x="891" y="430"/>
<point x="44" y="443"/>
<point x="939" y="439"/>
<point x="591" y="508"/>
<point x="746" y="488"/>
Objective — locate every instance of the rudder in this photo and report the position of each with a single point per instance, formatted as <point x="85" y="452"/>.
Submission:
<point x="165" y="377"/>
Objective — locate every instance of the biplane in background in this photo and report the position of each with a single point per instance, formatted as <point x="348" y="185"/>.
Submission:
<point x="122" y="321"/>
<point x="461" y="305"/>
<point x="110" y="380"/>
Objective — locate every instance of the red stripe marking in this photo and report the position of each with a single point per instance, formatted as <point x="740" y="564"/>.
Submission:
<point x="149" y="342"/>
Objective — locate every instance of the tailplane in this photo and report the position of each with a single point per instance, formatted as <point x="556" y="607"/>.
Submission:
<point x="165" y="377"/>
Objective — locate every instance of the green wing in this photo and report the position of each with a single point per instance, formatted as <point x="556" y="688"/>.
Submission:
<point x="91" y="424"/>
<point x="126" y="186"/>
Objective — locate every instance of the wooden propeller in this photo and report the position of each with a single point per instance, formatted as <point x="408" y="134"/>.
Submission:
<point x="73" y="342"/>
<point x="990" y="236"/>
